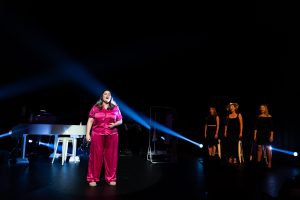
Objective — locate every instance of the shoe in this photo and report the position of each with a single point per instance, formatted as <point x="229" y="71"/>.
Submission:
<point x="92" y="184"/>
<point x="113" y="183"/>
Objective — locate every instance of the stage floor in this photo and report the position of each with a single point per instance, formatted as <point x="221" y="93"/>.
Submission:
<point x="191" y="177"/>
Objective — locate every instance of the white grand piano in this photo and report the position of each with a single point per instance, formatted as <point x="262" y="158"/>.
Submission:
<point x="55" y="130"/>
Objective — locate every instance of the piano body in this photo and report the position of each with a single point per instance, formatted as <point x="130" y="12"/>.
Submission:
<point x="55" y="130"/>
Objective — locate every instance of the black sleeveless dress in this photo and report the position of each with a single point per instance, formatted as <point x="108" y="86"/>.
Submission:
<point x="233" y="132"/>
<point x="211" y="123"/>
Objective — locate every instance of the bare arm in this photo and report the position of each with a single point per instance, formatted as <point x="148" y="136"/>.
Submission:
<point x="271" y="136"/>
<point x="118" y="123"/>
<point x="272" y="132"/>
<point x="255" y="133"/>
<point x="241" y="125"/>
<point x="217" y="128"/>
<point x="88" y="128"/>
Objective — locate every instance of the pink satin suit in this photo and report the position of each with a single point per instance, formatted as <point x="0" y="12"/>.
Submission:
<point x="104" y="144"/>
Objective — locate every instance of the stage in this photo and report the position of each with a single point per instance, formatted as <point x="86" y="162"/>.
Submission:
<point x="191" y="177"/>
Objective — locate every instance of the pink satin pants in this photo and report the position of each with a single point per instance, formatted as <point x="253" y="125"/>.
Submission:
<point x="104" y="148"/>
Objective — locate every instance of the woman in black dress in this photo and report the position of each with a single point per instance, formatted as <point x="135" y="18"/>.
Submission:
<point x="233" y="132"/>
<point x="263" y="133"/>
<point x="211" y="130"/>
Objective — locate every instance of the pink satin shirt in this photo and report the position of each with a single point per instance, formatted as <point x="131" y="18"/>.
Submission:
<point x="102" y="119"/>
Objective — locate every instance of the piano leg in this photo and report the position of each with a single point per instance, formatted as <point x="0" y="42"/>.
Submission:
<point x="74" y="158"/>
<point x="23" y="160"/>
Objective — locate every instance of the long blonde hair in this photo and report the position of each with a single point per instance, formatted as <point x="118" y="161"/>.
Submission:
<point x="266" y="110"/>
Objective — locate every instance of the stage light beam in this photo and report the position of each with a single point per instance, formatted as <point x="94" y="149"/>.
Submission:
<point x="51" y="146"/>
<point x="167" y="130"/>
<point x="6" y="134"/>
<point x="86" y="80"/>
<point x="285" y="151"/>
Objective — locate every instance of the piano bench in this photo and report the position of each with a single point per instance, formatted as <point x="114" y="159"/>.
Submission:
<point x="65" y="141"/>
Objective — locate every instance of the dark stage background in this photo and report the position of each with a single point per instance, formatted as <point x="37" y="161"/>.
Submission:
<point x="178" y="55"/>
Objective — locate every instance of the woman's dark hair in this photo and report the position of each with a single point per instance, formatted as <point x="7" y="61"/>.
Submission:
<point x="215" y="111"/>
<point x="111" y="103"/>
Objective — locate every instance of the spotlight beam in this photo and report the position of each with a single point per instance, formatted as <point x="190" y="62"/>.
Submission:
<point x="6" y="134"/>
<point x="167" y="130"/>
<point x="284" y="151"/>
<point x="28" y="85"/>
<point x="86" y="80"/>
<point x="51" y="146"/>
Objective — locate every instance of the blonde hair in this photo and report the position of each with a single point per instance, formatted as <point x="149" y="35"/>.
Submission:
<point x="266" y="109"/>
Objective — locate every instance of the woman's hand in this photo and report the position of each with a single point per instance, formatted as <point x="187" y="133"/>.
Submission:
<point x="271" y="139"/>
<point x="111" y="125"/>
<point x="88" y="137"/>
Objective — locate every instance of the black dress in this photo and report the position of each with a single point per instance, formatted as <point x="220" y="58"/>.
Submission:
<point x="264" y="127"/>
<point x="211" y="123"/>
<point x="233" y="132"/>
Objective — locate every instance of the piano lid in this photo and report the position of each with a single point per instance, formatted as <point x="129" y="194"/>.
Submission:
<point x="49" y="129"/>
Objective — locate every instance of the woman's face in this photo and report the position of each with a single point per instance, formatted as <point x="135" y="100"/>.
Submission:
<point x="106" y="96"/>
<point x="262" y="109"/>
<point x="232" y="108"/>
<point x="212" y="110"/>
